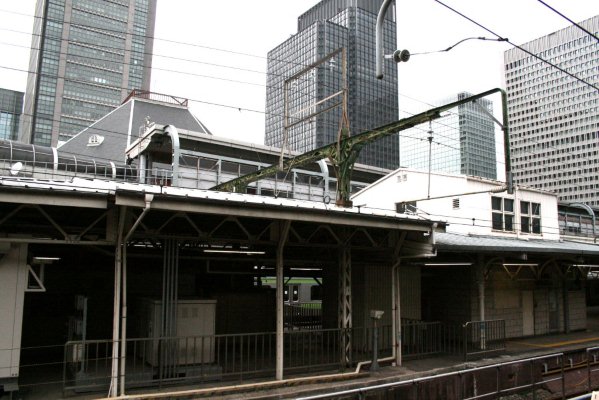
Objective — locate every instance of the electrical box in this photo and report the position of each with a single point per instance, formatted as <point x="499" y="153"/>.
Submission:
<point x="195" y="323"/>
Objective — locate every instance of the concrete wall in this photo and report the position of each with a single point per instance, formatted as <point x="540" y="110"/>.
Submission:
<point x="578" y="310"/>
<point x="13" y="282"/>
<point x="472" y="215"/>
<point x="503" y="300"/>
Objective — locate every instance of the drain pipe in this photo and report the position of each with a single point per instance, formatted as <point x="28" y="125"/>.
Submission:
<point x="148" y="200"/>
<point x="174" y="134"/>
<point x="395" y="322"/>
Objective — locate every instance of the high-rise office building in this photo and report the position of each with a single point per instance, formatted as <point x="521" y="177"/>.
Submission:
<point x="553" y="117"/>
<point x="462" y="141"/>
<point x="86" y="56"/>
<point x="11" y="107"/>
<point x="326" y="27"/>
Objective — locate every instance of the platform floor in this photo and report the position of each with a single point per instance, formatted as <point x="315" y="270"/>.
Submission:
<point x="304" y="386"/>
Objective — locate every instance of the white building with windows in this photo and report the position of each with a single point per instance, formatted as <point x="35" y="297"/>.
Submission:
<point x="553" y="117"/>
<point x="501" y="259"/>
<point x="470" y="205"/>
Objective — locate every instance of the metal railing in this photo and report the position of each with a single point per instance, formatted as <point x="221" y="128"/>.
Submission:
<point x="159" y="361"/>
<point x="470" y="340"/>
<point x="66" y="171"/>
<point x="303" y="316"/>
<point x="238" y="357"/>
<point x="87" y="367"/>
<point x="482" y="338"/>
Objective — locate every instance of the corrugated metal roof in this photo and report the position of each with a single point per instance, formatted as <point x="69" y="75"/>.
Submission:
<point x="455" y="242"/>
<point x="81" y="186"/>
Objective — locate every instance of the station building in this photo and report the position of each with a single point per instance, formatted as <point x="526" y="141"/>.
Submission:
<point x="141" y="275"/>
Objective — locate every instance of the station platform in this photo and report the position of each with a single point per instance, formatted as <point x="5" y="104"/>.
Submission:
<point x="304" y="387"/>
<point x="300" y="387"/>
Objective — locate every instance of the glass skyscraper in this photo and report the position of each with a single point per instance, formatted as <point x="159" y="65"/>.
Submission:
<point x="326" y="27"/>
<point x="86" y="56"/>
<point x="11" y="107"/>
<point x="463" y="141"/>
<point x="554" y="118"/>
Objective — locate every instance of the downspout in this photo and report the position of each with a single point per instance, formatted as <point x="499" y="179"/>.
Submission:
<point x="148" y="200"/>
<point x="325" y="170"/>
<point x="380" y="19"/>
<point x="396" y="320"/>
<point x="282" y="239"/>
<point x="174" y="134"/>
<point x="395" y="352"/>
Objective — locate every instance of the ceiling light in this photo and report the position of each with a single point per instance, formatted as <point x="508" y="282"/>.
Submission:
<point x="448" y="264"/>
<point x="233" y="251"/>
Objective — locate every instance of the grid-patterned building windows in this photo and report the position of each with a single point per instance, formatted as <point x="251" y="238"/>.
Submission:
<point x="554" y="118"/>
<point x="326" y="27"/>
<point x="462" y="141"/>
<point x="108" y="46"/>
<point x="11" y="107"/>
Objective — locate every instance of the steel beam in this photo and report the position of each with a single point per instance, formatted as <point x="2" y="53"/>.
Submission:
<point x="273" y="211"/>
<point x="344" y="153"/>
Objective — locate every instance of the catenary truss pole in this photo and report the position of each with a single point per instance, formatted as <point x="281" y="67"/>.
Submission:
<point x="343" y="154"/>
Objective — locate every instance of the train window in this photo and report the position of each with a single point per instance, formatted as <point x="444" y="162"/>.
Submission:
<point x="295" y="293"/>
<point x="286" y="293"/>
<point x="316" y="292"/>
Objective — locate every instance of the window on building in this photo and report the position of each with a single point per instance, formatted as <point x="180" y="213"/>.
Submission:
<point x="530" y="217"/>
<point x="405" y="207"/>
<point x="503" y="214"/>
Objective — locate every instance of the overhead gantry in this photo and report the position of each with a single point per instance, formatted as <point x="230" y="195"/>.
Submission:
<point x="344" y="154"/>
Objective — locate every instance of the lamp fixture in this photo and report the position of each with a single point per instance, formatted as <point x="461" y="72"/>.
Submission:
<point x="44" y="260"/>
<point x="448" y="264"/>
<point x="520" y="264"/>
<point x="234" y="251"/>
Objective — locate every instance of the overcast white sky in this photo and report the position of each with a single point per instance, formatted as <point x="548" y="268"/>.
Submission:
<point x="255" y="27"/>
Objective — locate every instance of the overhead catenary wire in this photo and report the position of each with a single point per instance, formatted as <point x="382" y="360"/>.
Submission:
<point x="500" y="38"/>
<point x="517" y="46"/>
<point x="234" y="107"/>
<point x="569" y="20"/>
<point x="454" y="45"/>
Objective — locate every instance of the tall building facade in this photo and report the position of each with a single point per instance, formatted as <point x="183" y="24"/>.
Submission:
<point x="325" y="28"/>
<point x="462" y="141"/>
<point x="11" y="107"/>
<point x="554" y="118"/>
<point x="86" y="56"/>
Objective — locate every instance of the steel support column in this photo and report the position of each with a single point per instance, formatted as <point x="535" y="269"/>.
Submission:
<point x="480" y="280"/>
<point x="398" y="239"/>
<point x="566" y="302"/>
<point x="170" y="280"/>
<point x="123" y="354"/>
<point x="345" y="301"/>
<point x="396" y="306"/>
<point x="117" y="304"/>
<point x="283" y="230"/>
